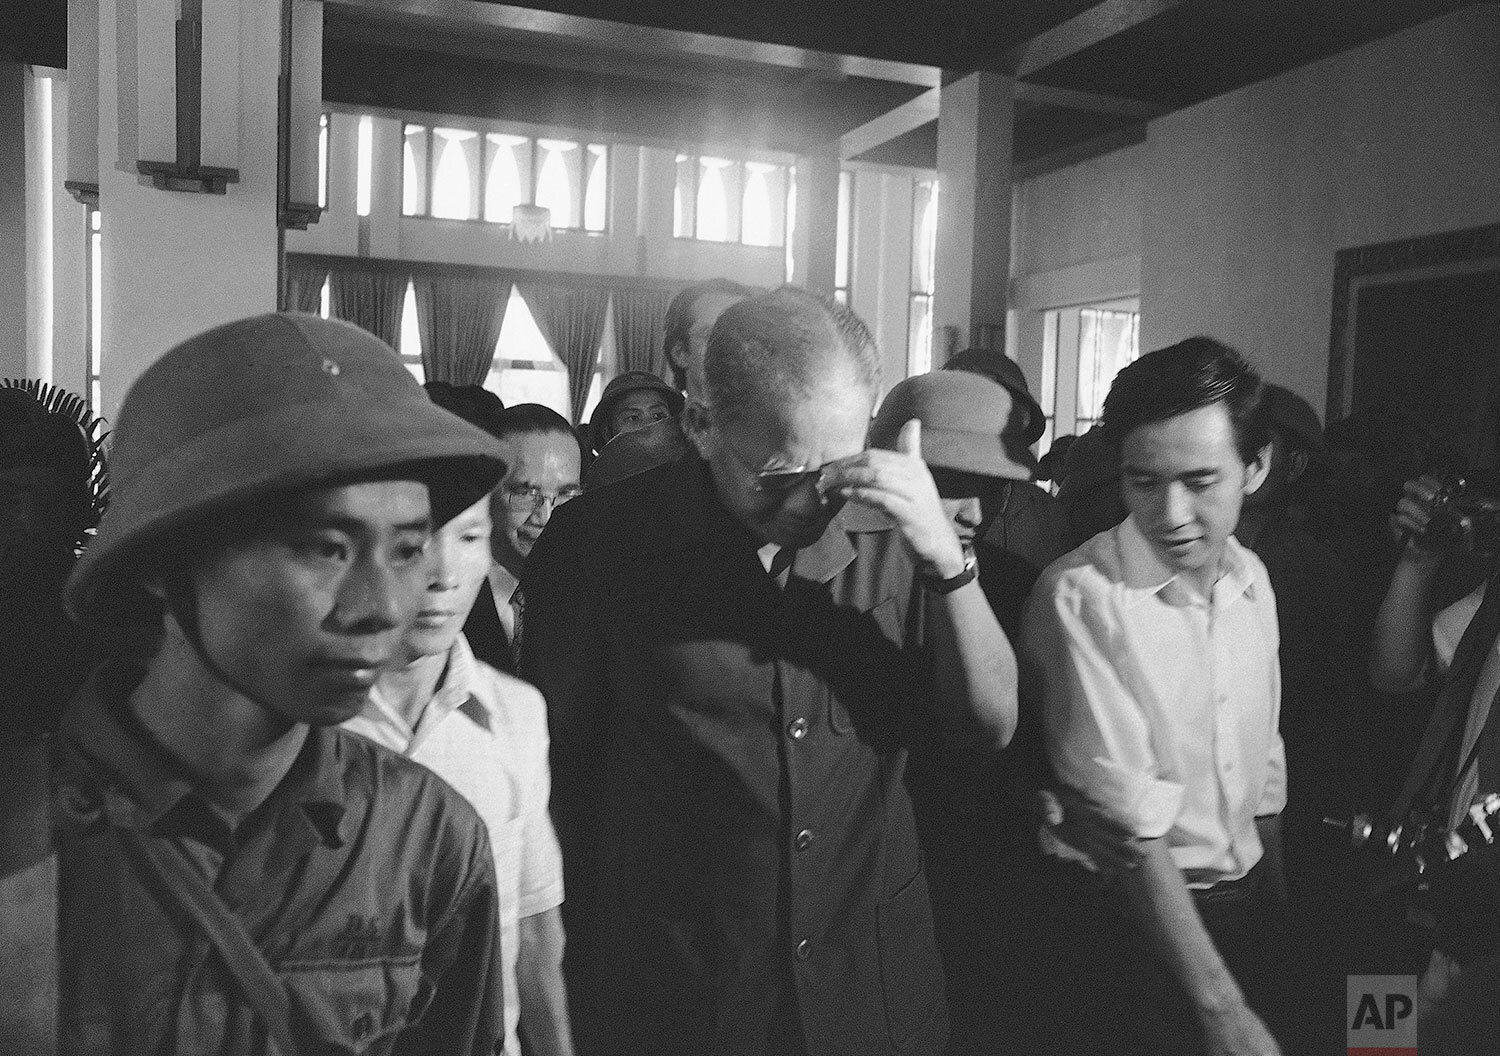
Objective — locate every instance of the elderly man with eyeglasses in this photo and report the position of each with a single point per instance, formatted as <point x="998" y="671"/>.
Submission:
<point x="737" y="649"/>
<point x="544" y="460"/>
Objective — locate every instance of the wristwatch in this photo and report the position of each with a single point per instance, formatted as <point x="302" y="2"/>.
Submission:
<point x="933" y="585"/>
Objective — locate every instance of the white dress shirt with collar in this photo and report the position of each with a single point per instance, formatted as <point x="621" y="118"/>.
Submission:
<point x="485" y="733"/>
<point x="1159" y="704"/>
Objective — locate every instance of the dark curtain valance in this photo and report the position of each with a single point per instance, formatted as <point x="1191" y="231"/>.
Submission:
<point x="640" y="325"/>
<point x="304" y="285"/>
<point x="571" y="318"/>
<point x="459" y="317"/>
<point x="368" y="299"/>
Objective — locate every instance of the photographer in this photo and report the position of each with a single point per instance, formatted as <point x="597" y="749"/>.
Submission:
<point x="1459" y="758"/>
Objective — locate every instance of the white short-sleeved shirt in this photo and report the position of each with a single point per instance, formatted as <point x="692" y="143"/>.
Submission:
<point x="1160" y="705"/>
<point x="1448" y="629"/>
<point x="485" y="733"/>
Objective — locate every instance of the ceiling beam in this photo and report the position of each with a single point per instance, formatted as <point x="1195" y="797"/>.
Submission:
<point x="888" y="126"/>
<point x="1083" y="150"/>
<point x="1071" y="99"/>
<point x="621" y="37"/>
<point x="1093" y="26"/>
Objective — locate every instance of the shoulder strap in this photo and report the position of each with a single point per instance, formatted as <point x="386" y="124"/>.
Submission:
<point x="28" y="904"/>
<point x="257" y="981"/>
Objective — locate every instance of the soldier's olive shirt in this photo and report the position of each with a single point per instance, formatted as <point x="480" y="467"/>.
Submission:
<point x="365" y="881"/>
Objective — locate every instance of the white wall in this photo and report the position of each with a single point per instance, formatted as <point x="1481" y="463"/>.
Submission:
<point x="1248" y="197"/>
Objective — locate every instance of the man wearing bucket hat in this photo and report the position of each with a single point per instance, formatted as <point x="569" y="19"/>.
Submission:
<point x="236" y="874"/>
<point x="634" y="400"/>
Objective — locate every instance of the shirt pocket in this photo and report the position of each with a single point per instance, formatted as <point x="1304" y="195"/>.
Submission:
<point x="350" y="1007"/>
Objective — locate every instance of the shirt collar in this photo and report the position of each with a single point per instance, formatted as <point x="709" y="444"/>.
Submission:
<point x="454" y="692"/>
<point x="139" y="783"/>
<point x="503" y="583"/>
<point x="1144" y="575"/>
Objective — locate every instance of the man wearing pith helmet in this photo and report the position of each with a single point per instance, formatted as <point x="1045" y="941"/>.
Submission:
<point x="237" y="875"/>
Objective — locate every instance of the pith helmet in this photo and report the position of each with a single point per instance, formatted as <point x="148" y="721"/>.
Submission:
<point x="630" y="381"/>
<point x="261" y="406"/>
<point x="970" y="423"/>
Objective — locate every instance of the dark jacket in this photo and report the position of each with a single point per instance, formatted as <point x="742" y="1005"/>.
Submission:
<point x="727" y="777"/>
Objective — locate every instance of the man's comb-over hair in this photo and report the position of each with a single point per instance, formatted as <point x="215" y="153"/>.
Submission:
<point x="679" y="317"/>
<point x="1198" y="372"/>
<point x="784" y="345"/>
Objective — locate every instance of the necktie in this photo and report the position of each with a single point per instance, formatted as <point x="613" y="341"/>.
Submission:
<point x="518" y="605"/>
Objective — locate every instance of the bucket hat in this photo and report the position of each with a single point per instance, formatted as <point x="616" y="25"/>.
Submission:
<point x="970" y="423"/>
<point x="1007" y="372"/>
<point x="630" y="381"/>
<point x="261" y="406"/>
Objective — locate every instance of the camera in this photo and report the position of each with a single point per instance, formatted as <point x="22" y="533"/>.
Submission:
<point x="1462" y="519"/>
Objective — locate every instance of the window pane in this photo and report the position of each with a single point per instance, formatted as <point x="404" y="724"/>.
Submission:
<point x="924" y="235"/>
<point x="509" y="181"/>
<point x="524" y="385"/>
<point x="325" y="302"/>
<point x="919" y="335"/>
<point x="414" y="171"/>
<point x="683" y="197"/>
<point x="323" y="160"/>
<point x="713" y="200"/>
<point x="520" y="337"/>
<point x="365" y="160"/>
<point x="453" y="181"/>
<point x="409" y="344"/>
<point x="845" y="224"/>
<point x="415" y="366"/>
<point x="759" y="219"/>
<point x="1107" y="341"/>
<point x="791" y="217"/>
<point x="596" y="189"/>
<point x="96" y="298"/>
<point x="554" y="183"/>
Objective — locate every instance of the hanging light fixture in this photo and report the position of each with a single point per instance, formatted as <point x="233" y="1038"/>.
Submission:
<point x="531" y="223"/>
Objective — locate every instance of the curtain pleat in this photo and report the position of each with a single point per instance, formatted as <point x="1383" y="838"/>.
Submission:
<point x="571" y="318"/>
<point x="459" y="317"/>
<point x="304" y="285"/>
<point x="369" y="299"/>
<point x="640" y="324"/>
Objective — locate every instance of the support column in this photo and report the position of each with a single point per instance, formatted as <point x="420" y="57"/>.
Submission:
<point x="815" y="236"/>
<point x="975" y="123"/>
<point x="177" y="261"/>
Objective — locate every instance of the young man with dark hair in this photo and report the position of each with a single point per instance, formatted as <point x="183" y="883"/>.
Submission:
<point x="543" y="464"/>
<point x="736" y="649"/>
<point x="1156" y="644"/>
<point x="236" y="873"/>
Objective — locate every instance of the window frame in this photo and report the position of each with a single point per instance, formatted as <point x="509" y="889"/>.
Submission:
<point x="738" y="164"/>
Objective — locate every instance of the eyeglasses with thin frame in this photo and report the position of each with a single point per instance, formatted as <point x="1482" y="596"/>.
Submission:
<point x="525" y="498"/>
<point x="778" y="481"/>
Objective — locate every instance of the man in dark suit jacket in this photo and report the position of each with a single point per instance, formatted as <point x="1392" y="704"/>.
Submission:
<point x="736" y="649"/>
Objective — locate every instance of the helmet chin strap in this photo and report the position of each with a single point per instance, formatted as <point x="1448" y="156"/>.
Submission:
<point x="182" y="603"/>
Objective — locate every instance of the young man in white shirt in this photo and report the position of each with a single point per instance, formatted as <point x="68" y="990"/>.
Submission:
<point x="485" y="733"/>
<point x="1156" y="644"/>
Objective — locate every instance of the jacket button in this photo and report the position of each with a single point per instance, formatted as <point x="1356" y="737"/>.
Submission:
<point x="804" y="950"/>
<point x="804" y="839"/>
<point x="797" y="729"/>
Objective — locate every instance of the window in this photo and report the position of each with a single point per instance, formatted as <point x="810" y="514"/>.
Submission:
<point x="525" y="369"/>
<point x="791" y="219"/>
<point x="463" y="174"/>
<point x="1083" y="349"/>
<point x="323" y="161"/>
<point x="96" y="313"/>
<point x="728" y="200"/>
<point x="364" y="162"/>
<point x="845" y="246"/>
<point x="1107" y="341"/>
<point x="923" y="261"/>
